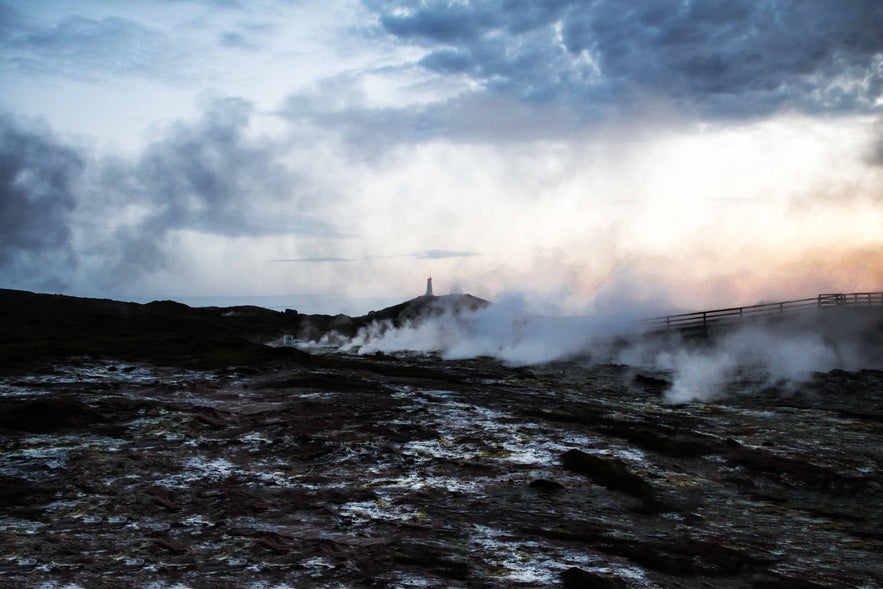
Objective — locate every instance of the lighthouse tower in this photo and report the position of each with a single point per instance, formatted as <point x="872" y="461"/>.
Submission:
<point x="428" y="287"/>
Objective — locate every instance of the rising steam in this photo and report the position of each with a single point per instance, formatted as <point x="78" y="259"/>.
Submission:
<point x="744" y="358"/>
<point x="504" y="330"/>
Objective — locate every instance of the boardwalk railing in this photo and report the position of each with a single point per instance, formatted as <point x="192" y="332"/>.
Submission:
<point x="717" y="316"/>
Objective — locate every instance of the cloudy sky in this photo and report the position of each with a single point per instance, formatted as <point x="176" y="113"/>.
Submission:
<point x="589" y="153"/>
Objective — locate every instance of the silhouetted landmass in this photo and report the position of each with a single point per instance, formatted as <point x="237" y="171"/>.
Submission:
<point x="44" y="326"/>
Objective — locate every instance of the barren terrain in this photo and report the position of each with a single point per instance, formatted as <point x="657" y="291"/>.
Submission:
<point x="414" y="472"/>
<point x="177" y="454"/>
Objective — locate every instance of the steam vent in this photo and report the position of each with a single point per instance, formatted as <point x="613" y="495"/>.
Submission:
<point x="428" y="287"/>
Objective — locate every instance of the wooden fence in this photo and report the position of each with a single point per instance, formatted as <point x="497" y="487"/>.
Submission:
<point x="718" y="316"/>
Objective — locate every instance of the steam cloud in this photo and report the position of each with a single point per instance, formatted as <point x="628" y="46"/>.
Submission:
<point x="742" y="359"/>
<point x="776" y="353"/>
<point x="504" y="330"/>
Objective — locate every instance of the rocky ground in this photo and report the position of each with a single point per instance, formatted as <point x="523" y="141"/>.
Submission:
<point x="410" y="471"/>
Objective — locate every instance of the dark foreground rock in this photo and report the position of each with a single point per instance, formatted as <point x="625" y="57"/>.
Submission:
<point x="387" y="471"/>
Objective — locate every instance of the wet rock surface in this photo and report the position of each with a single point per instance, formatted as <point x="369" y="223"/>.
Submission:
<point x="416" y="472"/>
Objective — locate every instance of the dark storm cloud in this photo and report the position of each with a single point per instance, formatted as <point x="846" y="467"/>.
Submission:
<point x="37" y="178"/>
<point x="711" y="57"/>
<point x="208" y="177"/>
<point x="212" y="177"/>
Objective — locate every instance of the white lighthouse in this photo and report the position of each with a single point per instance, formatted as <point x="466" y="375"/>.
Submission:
<point x="428" y="287"/>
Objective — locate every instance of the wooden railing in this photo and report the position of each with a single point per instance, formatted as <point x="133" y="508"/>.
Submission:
<point x="718" y="316"/>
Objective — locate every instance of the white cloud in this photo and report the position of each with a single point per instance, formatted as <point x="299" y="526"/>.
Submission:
<point x="367" y="155"/>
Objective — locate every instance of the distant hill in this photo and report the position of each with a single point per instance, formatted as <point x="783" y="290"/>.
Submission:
<point x="313" y="327"/>
<point x="36" y="326"/>
<point x="426" y="306"/>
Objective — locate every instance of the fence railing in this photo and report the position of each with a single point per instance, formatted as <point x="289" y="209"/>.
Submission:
<point x="732" y="314"/>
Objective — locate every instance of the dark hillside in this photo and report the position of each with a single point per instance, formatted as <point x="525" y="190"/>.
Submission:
<point x="47" y="325"/>
<point x="426" y="306"/>
<point x="38" y="326"/>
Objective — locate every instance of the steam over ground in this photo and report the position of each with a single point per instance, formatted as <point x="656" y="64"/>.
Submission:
<point x="776" y="351"/>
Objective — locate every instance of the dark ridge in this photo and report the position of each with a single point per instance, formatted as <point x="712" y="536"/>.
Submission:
<point x="43" y="326"/>
<point x="682" y="557"/>
<point x="314" y="327"/>
<point x="576" y="578"/>
<point x="325" y="382"/>
<point x="425" y="307"/>
<point x="607" y="472"/>
<point x="652" y="436"/>
<point x="546" y="486"/>
<point x="796" y="472"/>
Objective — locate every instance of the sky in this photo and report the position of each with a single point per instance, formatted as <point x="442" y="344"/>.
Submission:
<point x="327" y="155"/>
